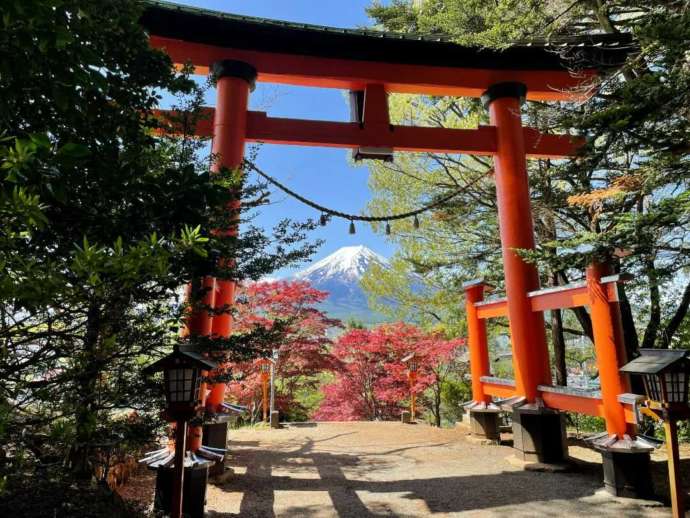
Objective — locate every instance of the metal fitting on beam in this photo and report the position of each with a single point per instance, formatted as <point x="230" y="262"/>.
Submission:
<point x="506" y="89"/>
<point x="234" y="68"/>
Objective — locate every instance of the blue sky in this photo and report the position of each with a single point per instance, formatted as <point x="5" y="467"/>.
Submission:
<point x="327" y="176"/>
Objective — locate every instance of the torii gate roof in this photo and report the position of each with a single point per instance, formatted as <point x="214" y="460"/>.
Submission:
<point x="311" y="55"/>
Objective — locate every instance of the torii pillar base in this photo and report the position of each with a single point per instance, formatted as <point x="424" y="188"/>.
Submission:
<point x="216" y="436"/>
<point x="627" y="474"/>
<point x="539" y="435"/>
<point x="484" y="424"/>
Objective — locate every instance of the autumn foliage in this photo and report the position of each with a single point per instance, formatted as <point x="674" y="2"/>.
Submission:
<point x="371" y="382"/>
<point x="303" y="352"/>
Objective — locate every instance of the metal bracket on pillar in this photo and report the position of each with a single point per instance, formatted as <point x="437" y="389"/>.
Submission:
<point x="234" y="68"/>
<point x="507" y="89"/>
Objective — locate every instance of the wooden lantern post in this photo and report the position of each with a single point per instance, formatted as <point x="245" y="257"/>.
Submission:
<point x="265" y="368"/>
<point x="411" y="362"/>
<point x="183" y="371"/>
<point x="666" y="373"/>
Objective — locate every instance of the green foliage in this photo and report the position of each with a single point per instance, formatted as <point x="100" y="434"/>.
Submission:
<point x="101" y="223"/>
<point x="51" y="495"/>
<point x="466" y="21"/>
<point x="353" y="323"/>
<point x="308" y="398"/>
<point x="454" y="392"/>
<point x="585" y="423"/>
<point x="628" y="191"/>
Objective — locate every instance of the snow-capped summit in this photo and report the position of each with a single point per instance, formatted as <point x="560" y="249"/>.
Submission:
<point x="349" y="262"/>
<point x="340" y="274"/>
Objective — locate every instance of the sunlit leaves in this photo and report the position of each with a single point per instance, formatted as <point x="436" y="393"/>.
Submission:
<point x="371" y="381"/>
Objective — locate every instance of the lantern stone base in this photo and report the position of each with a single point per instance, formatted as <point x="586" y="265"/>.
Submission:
<point x="539" y="435"/>
<point x="193" y="494"/>
<point x="627" y="474"/>
<point x="275" y="419"/>
<point x="215" y="435"/>
<point x="485" y="424"/>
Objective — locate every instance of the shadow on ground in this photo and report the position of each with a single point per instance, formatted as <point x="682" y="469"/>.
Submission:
<point x="451" y="494"/>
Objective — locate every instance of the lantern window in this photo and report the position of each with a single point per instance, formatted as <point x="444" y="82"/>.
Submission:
<point x="183" y="385"/>
<point x="664" y="372"/>
<point x="675" y="387"/>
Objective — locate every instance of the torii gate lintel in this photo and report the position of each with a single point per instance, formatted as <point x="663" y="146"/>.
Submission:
<point x="239" y="51"/>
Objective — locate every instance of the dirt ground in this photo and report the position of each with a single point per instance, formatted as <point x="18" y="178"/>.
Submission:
<point x="367" y="469"/>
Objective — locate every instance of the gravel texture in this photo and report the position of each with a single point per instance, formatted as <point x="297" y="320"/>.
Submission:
<point x="364" y="469"/>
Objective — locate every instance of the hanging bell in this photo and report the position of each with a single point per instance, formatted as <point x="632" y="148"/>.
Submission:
<point x="352" y="227"/>
<point x="323" y="220"/>
<point x="415" y="223"/>
<point x="388" y="228"/>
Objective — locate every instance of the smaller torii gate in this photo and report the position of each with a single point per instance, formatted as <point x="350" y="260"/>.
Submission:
<point x="239" y="50"/>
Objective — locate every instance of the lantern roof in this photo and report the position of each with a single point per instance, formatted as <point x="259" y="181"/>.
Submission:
<point x="181" y="357"/>
<point x="657" y="361"/>
<point x="203" y="26"/>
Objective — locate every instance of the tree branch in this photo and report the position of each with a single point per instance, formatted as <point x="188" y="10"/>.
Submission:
<point x="678" y="316"/>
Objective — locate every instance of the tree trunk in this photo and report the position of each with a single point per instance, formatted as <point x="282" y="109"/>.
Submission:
<point x="630" y="340"/>
<point x="558" y="347"/>
<point x="580" y="313"/>
<point x="558" y="341"/>
<point x="437" y="403"/>
<point x="551" y="234"/>
<point x="652" y="330"/>
<point x="85" y="389"/>
<point x="678" y="316"/>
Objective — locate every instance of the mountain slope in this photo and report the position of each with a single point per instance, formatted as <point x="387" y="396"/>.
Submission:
<point x="339" y="274"/>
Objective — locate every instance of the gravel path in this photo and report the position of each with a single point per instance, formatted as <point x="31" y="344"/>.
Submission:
<point x="389" y="469"/>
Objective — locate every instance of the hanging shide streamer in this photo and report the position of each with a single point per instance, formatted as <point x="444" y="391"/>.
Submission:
<point x="352" y="227"/>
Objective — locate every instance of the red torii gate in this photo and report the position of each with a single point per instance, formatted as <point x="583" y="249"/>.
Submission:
<point x="239" y="51"/>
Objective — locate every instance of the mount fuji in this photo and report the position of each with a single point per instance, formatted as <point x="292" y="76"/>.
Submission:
<point x="340" y="274"/>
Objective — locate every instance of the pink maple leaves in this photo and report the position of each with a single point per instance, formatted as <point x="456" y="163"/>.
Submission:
<point x="371" y="382"/>
<point x="303" y="350"/>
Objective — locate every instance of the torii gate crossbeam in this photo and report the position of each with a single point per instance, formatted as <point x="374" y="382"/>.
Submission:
<point x="239" y="51"/>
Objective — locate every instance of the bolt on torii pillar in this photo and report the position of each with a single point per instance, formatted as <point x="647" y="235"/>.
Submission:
<point x="538" y="433"/>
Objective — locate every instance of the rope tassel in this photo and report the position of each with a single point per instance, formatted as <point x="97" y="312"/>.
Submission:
<point x="352" y="227"/>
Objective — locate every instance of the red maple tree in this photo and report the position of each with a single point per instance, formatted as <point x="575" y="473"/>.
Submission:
<point x="371" y="380"/>
<point x="303" y="350"/>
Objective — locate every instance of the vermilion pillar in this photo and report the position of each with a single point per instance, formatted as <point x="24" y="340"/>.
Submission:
<point x="477" y="342"/>
<point x="607" y="350"/>
<point x="530" y="353"/>
<point x="234" y="79"/>
<point x="199" y="322"/>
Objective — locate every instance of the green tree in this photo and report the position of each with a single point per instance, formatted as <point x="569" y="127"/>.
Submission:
<point x="101" y="223"/>
<point x="627" y="192"/>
